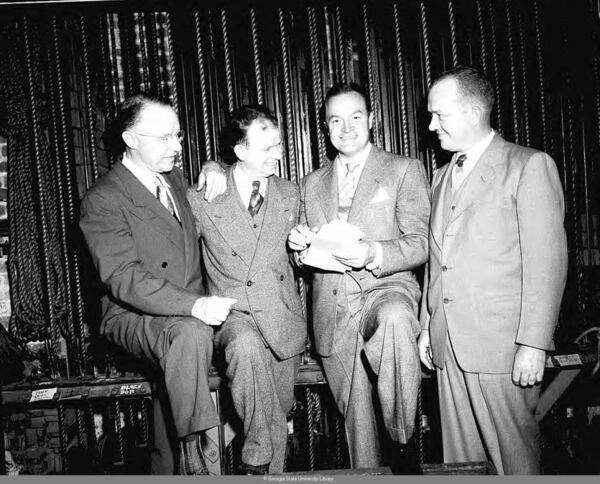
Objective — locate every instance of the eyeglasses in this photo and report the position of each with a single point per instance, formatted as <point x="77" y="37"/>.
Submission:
<point x="166" y="137"/>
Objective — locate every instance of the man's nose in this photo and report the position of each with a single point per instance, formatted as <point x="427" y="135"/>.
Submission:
<point x="433" y="124"/>
<point x="174" y="144"/>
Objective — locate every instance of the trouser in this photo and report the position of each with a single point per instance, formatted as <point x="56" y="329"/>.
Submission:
<point x="382" y="374"/>
<point x="262" y="389"/>
<point x="182" y="347"/>
<point x="487" y="417"/>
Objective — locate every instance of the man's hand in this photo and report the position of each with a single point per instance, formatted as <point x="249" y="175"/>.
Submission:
<point x="213" y="176"/>
<point x="356" y="254"/>
<point x="300" y="237"/>
<point x="213" y="310"/>
<point x="528" y="367"/>
<point x="425" y="349"/>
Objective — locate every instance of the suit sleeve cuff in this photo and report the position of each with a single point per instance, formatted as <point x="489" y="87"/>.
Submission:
<point x="376" y="264"/>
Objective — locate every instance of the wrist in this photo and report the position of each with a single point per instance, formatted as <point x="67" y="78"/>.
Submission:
<point x="371" y="252"/>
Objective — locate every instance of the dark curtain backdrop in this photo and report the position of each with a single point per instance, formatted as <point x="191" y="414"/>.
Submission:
<point x="66" y="66"/>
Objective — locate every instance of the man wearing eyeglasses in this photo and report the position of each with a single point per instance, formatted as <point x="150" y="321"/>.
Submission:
<point x="142" y="238"/>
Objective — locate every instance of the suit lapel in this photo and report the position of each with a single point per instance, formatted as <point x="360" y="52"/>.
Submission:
<point x="441" y="197"/>
<point x="476" y="183"/>
<point x="274" y="222"/>
<point x="367" y="186"/>
<point x="188" y="224"/>
<point x="148" y="208"/>
<point x="231" y="222"/>
<point x="328" y="192"/>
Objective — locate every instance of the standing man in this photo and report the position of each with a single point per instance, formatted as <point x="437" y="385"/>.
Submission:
<point x="365" y="320"/>
<point x="497" y="270"/>
<point x="243" y="234"/>
<point x="141" y="234"/>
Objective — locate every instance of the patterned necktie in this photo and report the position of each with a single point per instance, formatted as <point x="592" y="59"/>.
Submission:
<point x="256" y="199"/>
<point x="346" y="191"/>
<point x="163" y="195"/>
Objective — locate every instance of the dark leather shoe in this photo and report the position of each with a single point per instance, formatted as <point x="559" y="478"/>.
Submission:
<point x="406" y="462"/>
<point x="250" y="470"/>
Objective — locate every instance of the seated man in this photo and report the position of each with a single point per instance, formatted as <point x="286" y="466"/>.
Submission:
<point x="142" y="238"/>
<point x="365" y="319"/>
<point x="243" y="234"/>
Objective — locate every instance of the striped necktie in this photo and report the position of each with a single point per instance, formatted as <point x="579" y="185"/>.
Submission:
<point x="256" y="199"/>
<point x="164" y="196"/>
<point x="346" y="191"/>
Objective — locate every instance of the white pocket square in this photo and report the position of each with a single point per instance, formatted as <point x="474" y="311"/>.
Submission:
<point x="380" y="196"/>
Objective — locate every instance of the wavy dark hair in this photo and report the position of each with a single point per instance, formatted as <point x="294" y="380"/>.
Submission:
<point x="238" y="122"/>
<point x="129" y="113"/>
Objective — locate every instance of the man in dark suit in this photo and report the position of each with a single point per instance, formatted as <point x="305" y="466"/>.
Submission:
<point x="243" y="234"/>
<point x="365" y="320"/>
<point x="142" y="238"/>
<point x="497" y="270"/>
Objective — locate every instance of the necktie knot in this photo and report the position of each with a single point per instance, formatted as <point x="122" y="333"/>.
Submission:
<point x="460" y="160"/>
<point x="351" y="168"/>
<point x="256" y="199"/>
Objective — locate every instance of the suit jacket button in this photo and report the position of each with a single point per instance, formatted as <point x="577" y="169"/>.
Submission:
<point x="444" y="268"/>
<point x="164" y="264"/>
<point x="446" y="300"/>
<point x="281" y="277"/>
<point x="453" y="207"/>
<point x="335" y="292"/>
<point x="255" y="226"/>
<point x="249" y="283"/>
<point x="233" y="253"/>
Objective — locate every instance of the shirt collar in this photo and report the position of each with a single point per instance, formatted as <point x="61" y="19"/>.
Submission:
<point x="244" y="181"/>
<point x="359" y="160"/>
<point x="144" y="175"/>
<point x="475" y="152"/>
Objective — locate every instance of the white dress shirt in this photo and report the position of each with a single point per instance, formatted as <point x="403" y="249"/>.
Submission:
<point x="460" y="173"/>
<point x="243" y="183"/>
<point x="148" y="179"/>
<point x="342" y="170"/>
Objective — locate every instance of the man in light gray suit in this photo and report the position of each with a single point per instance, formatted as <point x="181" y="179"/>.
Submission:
<point x="365" y="320"/>
<point x="497" y="270"/>
<point x="243" y="234"/>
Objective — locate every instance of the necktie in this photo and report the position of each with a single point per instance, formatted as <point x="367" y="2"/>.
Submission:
<point x="346" y="191"/>
<point x="460" y="160"/>
<point x="256" y="199"/>
<point x="163" y="195"/>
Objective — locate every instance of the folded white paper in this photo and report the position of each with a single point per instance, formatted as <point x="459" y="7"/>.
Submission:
<point x="331" y="237"/>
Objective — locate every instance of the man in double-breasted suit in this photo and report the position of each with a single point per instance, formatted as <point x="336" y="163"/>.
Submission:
<point x="142" y="238"/>
<point x="243" y="234"/>
<point x="365" y="320"/>
<point x="497" y="269"/>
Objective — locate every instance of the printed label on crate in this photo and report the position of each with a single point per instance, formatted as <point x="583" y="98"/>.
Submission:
<point x="131" y="389"/>
<point x="44" y="394"/>
<point x="567" y="360"/>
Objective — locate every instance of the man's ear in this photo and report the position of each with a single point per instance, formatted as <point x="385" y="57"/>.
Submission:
<point x="240" y="151"/>
<point x="476" y="114"/>
<point x="130" y="139"/>
<point x="371" y="120"/>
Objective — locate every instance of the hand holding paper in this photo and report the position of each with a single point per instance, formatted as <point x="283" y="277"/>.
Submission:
<point x="337" y="237"/>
